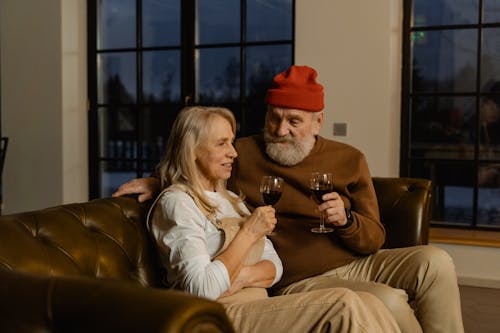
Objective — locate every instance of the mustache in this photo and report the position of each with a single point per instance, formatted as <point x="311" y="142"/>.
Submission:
<point x="278" y="139"/>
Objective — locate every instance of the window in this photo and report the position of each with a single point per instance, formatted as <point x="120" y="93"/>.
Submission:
<point x="451" y="107"/>
<point x="149" y="58"/>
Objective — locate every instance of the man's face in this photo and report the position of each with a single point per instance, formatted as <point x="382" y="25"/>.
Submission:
<point x="290" y="134"/>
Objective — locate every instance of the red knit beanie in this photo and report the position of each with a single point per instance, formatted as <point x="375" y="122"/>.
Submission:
<point x="296" y="88"/>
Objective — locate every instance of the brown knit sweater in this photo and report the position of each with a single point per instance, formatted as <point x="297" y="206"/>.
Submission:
<point x="305" y="254"/>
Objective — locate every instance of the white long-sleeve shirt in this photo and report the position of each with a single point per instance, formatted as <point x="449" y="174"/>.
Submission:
<point x="188" y="242"/>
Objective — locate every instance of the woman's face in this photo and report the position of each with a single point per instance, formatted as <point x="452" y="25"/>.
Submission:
<point x="215" y="155"/>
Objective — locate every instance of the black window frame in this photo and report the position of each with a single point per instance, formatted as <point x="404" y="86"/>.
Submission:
<point x="406" y="97"/>
<point x="188" y="49"/>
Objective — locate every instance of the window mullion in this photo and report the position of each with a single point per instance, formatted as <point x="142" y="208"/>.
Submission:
<point x="243" y="52"/>
<point x="475" y="194"/>
<point x="139" y="108"/>
<point x="404" y="169"/>
<point x="93" y="142"/>
<point x="188" y="64"/>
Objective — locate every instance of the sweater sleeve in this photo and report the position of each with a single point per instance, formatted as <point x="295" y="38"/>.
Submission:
<point x="367" y="234"/>
<point x="180" y="231"/>
<point x="269" y="253"/>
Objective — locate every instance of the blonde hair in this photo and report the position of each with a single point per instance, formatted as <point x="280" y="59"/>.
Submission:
<point x="178" y="166"/>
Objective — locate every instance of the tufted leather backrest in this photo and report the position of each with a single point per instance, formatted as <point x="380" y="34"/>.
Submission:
<point x="405" y="210"/>
<point x="107" y="238"/>
<point x="104" y="238"/>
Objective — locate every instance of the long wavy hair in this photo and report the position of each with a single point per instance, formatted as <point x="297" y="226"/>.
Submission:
<point x="178" y="166"/>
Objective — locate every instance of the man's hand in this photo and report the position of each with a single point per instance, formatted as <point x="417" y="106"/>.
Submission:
<point x="334" y="209"/>
<point x="146" y="188"/>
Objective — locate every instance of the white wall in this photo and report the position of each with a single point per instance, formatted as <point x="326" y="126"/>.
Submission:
<point x="354" y="44"/>
<point x="475" y="265"/>
<point x="74" y="101"/>
<point x="43" y="102"/>
<point x="356" y="47"/>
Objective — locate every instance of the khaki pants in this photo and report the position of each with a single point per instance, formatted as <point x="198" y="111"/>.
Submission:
<point x="335" y="310"/>
<point x="424" y="276"/>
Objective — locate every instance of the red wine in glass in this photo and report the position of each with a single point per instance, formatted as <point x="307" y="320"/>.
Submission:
<point x="317" y="193"/>
<point x="271" y="188"/>
<point x="271" y="197"/>
<point x="320" y="184"/>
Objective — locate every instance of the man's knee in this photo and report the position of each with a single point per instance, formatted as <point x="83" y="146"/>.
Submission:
<point x="433" y="259"/>
<point x="393" y="299"/>
<point x="396" y="302"/>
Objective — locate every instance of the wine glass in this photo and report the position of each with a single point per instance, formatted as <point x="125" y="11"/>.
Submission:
<point x="271" y="188"/>
<point x="320" y="184"/>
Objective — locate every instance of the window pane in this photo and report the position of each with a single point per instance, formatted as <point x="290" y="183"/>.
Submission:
<point x="444" y="60"/>
<point x="489" y="126"/>
<point x="269" y="20"/>
<point x="157" y="122"/>
<point x="263" y="63"/>
<point x="117" y="133"/>
<point x="489" y="195"/>
<point x="453" y="189"/>
<point x="117" y="143"/>
<point x="490" y="58"/>
<point x="161" y="22"/>
<point x="444" y="12"/>
<point x="116" y="78"/>
<point x="218" y="76"/>
<point x="218" y="21"/>
<point x="161" y="76"/>
<point x="115" y="24"/>
<point x="491" y="11"/>
<point x="113" y="174"/>
<point x="443" y="127"/>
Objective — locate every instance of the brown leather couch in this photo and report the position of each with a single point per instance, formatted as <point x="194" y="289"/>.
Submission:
<point x="90" y="267"/>
<point x="405" y="206"/>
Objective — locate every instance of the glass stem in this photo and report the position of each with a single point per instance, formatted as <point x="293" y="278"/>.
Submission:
<point x="321" y="221"/>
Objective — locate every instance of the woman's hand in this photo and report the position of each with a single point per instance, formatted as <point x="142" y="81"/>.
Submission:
<point x="239" y="283"/>
<point x="262" y="222"/>
<point x="259" y="275"/>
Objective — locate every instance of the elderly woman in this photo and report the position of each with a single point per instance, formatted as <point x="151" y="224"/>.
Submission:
<point x="212" y="246"/>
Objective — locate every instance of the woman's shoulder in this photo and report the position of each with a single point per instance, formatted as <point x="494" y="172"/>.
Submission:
<point x="232" y="194"/>
<point x="175" y="194"/>
<point x="177" y="203"/>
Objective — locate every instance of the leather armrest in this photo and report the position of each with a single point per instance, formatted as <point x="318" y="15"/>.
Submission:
<point x="405" y="210"/>
<point x="76" y="304"/>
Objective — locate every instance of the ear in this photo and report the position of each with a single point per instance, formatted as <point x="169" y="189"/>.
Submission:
<point x="317" y="122"/>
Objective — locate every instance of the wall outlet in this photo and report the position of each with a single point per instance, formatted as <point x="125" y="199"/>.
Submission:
<point x="339" y="129"/>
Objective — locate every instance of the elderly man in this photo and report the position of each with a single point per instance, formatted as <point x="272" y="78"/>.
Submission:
<point x="350" y="257"/>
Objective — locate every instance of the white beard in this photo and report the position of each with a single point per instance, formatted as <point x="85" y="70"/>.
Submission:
<point x="287" y="150"/>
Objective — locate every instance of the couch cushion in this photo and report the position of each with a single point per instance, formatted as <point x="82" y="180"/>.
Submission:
<point x="104" y="238"/>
